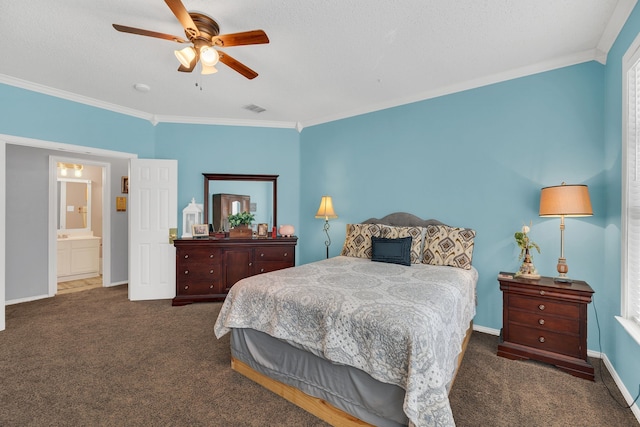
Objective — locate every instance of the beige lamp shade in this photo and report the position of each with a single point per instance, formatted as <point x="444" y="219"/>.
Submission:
<point x="565" y="200"/>
<point x="326" y="208"/>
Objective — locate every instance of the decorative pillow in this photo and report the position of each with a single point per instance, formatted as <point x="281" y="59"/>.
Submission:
<point x="450" y="246"/>
<point x="358" y="241"/>
<point x="395" y="251"/>
<point x="416" y="233"/>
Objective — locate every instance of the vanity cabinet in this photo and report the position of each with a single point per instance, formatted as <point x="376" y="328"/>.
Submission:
<point x="78" y="258"/>
<point x="206" y="268"/>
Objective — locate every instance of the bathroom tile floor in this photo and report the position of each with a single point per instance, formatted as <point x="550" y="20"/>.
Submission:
<point x="79" y="285"/>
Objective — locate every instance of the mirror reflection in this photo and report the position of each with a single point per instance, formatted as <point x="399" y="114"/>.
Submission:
<point x="74" y="204"/>
<point x="228" y="193"/>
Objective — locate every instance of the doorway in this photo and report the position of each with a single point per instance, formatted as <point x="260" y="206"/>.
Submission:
<point x="79" y="224"/>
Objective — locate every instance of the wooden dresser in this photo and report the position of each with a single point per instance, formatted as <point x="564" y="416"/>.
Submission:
<point x="206" y="268"/>
<point x="546" y="321"/>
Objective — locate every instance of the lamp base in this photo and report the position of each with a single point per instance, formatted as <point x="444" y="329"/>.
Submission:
<point x="562" y="279"/>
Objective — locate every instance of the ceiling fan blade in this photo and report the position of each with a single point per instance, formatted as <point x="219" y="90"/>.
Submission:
<point x="183" y="16"/>
<point x="141" y="32"/>
<point x="238" y="66"/>
<point x="241" y="39"/>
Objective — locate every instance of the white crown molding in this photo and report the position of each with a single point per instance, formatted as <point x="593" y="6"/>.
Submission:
<point x="223" y="122"/>
<point x="614" y="26"/>
<point x="578" y="58"/>
<point x="35" y="87"/>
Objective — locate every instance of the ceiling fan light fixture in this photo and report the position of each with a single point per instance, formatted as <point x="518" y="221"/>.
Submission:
<point x="186" y="55"/>
<point x="209" y="56"/>
<point x="208" y="69"/>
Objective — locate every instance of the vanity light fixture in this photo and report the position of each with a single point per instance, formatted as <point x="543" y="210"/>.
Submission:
<point x="77" y="169"/>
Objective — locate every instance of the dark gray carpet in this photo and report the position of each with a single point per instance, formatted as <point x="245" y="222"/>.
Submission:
<point x="93" y="358"/>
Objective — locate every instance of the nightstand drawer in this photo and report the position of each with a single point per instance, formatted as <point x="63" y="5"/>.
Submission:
<point x="546" y="340"/>
<point x="544" y="321"/>
<point x="541" y="305"/>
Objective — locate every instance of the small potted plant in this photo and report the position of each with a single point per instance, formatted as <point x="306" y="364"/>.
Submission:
<point x="527" y="269"/>
<point x="240" y="224"/>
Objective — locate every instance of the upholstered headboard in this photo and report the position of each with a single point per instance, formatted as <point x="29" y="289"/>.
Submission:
<point x="403" y="219"/>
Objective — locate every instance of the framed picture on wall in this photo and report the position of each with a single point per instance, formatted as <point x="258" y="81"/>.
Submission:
<point x="125" y="185"/>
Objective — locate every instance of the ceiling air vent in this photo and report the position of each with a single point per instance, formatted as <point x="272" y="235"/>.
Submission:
<point x="255" y="108"/>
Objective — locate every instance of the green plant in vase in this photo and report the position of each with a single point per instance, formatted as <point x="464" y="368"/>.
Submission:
<point x="242" y="218"/>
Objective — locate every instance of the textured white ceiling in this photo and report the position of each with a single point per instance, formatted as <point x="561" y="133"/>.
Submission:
<point x="326" y="60"/>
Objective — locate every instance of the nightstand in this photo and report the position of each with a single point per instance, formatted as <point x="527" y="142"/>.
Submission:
<point x="546" y="321"/>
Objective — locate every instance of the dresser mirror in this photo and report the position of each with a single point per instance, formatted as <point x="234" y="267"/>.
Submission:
<point x="259" y="192"/>
<point x="74" y="204"/>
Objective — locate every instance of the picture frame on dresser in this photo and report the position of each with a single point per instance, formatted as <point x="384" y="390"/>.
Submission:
<point x="200" y="230"/>
<point x="263" y="230"/>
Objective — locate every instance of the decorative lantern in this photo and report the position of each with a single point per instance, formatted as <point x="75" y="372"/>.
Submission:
<point x="191" y="215"/>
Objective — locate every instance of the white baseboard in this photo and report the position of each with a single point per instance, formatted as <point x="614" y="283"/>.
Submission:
<point x="27" y="299"/>
<point x="485" y="330"/>
<point x="115" y="284"/>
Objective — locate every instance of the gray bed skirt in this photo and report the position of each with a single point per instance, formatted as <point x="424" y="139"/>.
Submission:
<point x="349" y="389"/>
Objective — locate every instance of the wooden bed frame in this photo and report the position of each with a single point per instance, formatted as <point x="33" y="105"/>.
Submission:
<point x="315" y="406"/>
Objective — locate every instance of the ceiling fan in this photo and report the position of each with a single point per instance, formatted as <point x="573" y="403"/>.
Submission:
<point x="204" y="35"/>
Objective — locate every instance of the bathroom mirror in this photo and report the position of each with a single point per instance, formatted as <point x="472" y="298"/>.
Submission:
<point x="74" y="204"/>
<point x="261" y="189"/>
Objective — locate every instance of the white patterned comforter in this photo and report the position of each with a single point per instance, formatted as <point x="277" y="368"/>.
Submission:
<point x="402" y="325"/>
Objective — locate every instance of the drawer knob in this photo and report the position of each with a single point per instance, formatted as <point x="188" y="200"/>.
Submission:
<point x="541" y="307"/>
<point x="186" y="286"/>
<point x="262" y="254"/>
<point x="285" y="254"/>
<point x="186" y="272"/>
<point x="262" y="270"/>
<point x="541" y="339"/>
<point x="250" y="264"/>
<point x="186" y="256"/>
<point x="211" y="256"/>
<point x="542" y="292"/>
<point x="210" y="286"/>
<point x="210" y="271"/>
<point x="541" y="321"/>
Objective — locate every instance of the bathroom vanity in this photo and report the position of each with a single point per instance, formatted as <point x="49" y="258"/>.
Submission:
<point x="78" y="257"/>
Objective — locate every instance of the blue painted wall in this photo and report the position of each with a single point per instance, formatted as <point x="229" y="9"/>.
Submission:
<point x="33" y="115"/>
<point x="232" y="149"/>
<point x="474" y="159"/>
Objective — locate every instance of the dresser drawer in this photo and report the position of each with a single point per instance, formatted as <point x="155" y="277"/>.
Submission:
<point x="545" y="340"/>
<point x="198" y="255"/>
<point x="274" y="253"/>
<point x="189" y="287"/>
<point x="198" y="272"/>
<point x="541" y="305"/>
<point x="265" y="267"/>
<point x="544" y="321"/>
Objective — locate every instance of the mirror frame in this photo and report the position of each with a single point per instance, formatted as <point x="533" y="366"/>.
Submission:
<point x="273" y="179"/>
<point x="62" y="208"/>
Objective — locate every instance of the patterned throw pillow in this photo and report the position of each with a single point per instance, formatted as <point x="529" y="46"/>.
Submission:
<point x="416" y="233"/>
<point x="448" y="246"/>
<point x="358" y="241"/>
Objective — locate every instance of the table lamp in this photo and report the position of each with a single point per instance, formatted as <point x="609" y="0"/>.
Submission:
<point x="564" y="200"/>
<point x="326" y="211"/>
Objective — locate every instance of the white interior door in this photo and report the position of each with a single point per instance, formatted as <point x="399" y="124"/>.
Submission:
<point x="153" y="194"/>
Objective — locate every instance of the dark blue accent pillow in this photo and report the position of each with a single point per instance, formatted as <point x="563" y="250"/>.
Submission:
<point x="395" y="251"/>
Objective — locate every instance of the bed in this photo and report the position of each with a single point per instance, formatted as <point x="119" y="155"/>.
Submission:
<point x="358" y="342"/>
